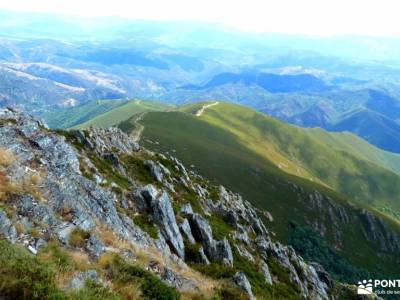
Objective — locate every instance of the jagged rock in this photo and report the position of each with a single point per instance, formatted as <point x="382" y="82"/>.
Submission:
<point x="374" y="229"/>
<point x="78" y="282"/>
<point x="29" y="207"/>
<point x="6" y="227"/>
<point x="244" y="253"/>
<point x="164" y="214"/>
<point x="108" y="140"/>
<point x="203" y="257"/>
<point x="232" y="218"/>
<point x="243" y="283"/>
<point x="181" y="167"/>
<point x="82" y="220"/>
<point x="242" y="236"/>
<point x="113" y="158"/>
<point x="155" y="170"/>
<point x="263" y="246"/>
<point x="223" y="252"/>
<point x="184" y="226"/>
<point x="215" y="250"/>
<point x="201" y="192"/>
<point x="144" y="196"/>
<point x="202" y="232"/>
<point x="175" y="280"/>
<point x="186" y="209"/>
<point x="95" y="247"/>
<point x="266" y="273"/>
<point x="63" y="232"/>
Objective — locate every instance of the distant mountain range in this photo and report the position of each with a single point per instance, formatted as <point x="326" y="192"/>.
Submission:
<point x="307" y="82"/>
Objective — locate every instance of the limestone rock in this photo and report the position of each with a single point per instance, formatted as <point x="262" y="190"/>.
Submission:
<point x="243" y="283"/>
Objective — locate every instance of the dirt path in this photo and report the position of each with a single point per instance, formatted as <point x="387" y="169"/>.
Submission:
<point x="201" y="110"/>
<point x="137" y="132"/>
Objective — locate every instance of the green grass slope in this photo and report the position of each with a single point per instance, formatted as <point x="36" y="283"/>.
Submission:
<point x="243" y="157"/>
<point x="343" y="162"/>
<point x="72" y="116"/>
<point x="122" y="113"/>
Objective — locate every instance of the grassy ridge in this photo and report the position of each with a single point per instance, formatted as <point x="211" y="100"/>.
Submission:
<point x="340" y="161"/>
<point x="73" y="116"/>
<point x="221" y="154"/>
<point x="122" y="113"/>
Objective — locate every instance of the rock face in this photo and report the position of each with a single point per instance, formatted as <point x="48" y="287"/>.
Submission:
<point x="6" y="227"/>
<point x="158" y="204"/>
<point x="215" y="250"/>
<point x="78" y="282"/>
<point x="186" y="231"/>
<point x="86" y="184"/>
<point x="375" y="230"/>
<point x="107" y="140"/>
<point x="243" y="283"/>
<point x="164" y="214"/>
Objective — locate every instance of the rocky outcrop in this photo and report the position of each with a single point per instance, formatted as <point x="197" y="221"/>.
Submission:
<point x="374" y="229"/>
<point x="6" y="227"/>
<point x="243" y="283"/>
<point x="164" y="215"/>
<point x="106" y="140"/>
<point x="78" y="282"/>
<point x="186" y="231"/>
<point x="158" y="204"/>
<point x="215" y="250"/>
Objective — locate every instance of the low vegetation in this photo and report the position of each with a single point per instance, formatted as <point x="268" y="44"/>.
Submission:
<point x="78" y="238"/>
<point x="311" y="246"/>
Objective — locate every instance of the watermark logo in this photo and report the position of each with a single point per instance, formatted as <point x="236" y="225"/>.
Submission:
<point x="365" y="287"/>
<point x="379" y="287"/>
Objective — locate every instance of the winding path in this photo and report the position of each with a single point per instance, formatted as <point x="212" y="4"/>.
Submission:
<point x="137" y="132"/>
<point x="201" y="110"/>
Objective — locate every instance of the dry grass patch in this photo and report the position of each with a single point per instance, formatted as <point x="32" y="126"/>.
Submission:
<point x="6" y="157"/>
<point x="78" y="238"/>
<point x="27" y="186"/>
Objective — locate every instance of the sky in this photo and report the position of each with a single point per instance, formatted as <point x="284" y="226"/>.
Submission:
<point x="310" y="17"/>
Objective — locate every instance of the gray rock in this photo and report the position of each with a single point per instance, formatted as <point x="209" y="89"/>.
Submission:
<point x="177" y="281"/>
<point x="203" y="257"/>
<point x="78" y="282"/>
<point x="113" y="158"/>
<point x="223" y="252"/>
<point x="107" y="140"/>
<point x="243" y="283"/>
<point x="202" y="232"/>
<point x="63" y="232"/>
<point x="6" y="227"/>
<point x="155" y="170"/>
<point x="265" y="271"/>
<point x="40" y="243"/>
<point x="95" y="247"/>
<point x="27" y="206"/>
<point x="244" y="252"/>
<point x="164" y="214"/>
<point x="186" y="209"/>
<point x="216" y="250"/>
<point x="184" y="226"/>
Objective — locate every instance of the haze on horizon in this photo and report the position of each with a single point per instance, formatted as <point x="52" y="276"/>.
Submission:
<point x="308" y="17"/>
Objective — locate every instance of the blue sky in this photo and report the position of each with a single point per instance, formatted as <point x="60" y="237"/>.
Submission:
<point x="312" y="17"/>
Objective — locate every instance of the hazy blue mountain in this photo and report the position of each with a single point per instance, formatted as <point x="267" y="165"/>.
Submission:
<point x="273" y="83"/>
<point x="373" y="127"/>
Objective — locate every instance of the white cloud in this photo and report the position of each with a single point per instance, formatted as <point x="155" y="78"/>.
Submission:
<point x="319" y="17"/>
